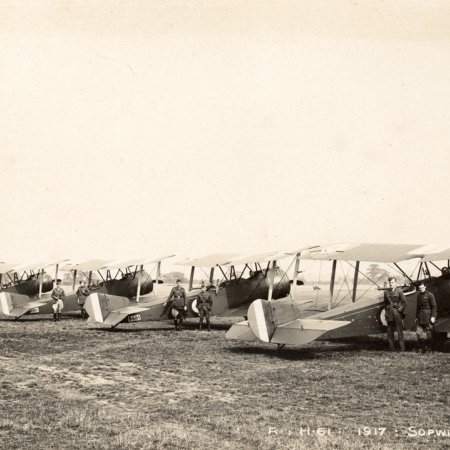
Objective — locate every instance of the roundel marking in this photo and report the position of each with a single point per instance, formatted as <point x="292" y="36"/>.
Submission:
<point x="194" y="306"/>
<point x="383" y="317"/>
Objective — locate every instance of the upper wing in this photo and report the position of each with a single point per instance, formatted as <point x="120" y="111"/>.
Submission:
<point x="256" y="258"/>
<point x="232" y="259"/>
<point x="121" y="264"/>
<point x="217" y="259"/>
<point x="6" y="267"/>
<point x="87" y="266"/>
<point x="435" y="252"/>
<point x="388" y="253"/>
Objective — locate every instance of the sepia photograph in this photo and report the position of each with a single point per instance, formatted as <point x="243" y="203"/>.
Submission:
<point x="225" y="224"/>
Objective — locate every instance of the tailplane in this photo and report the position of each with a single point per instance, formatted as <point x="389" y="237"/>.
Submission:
<point x="17" y="305"/>
<point x="279" y="322"/>
<point x="112" y="309"/>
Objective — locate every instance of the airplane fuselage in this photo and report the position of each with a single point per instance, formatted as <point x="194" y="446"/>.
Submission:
<point x="368" y="316"/>
<point x="127" y="286"/>
<point x="232" y="294"/>
<point x="30" y="286"/>
<point x="124" y="287"/>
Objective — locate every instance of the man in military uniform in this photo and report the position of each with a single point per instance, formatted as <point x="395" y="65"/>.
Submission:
<point x="395" y="306"/>
<point x="204" y="305"/>
<point x="58" y="303"/>
<point x="445" y="273"/>
<point x="82" y="293"/>
<point x="425" y="316"/>
<point x="178" y="304"/>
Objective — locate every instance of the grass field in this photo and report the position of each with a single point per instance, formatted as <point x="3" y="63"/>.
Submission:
<point x="75" y="385"/>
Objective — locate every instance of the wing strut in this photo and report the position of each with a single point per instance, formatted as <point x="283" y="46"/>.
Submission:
<point x="56" y="275"/>
<point x="297" y="264"/>
<point x="158" y="275"/>
<point x="333" y="277"/>
<point x="270" y="278"/>
<point x="403" y="272"/>
<point x="191" y="278"/>
<point x="41" y="280"/>
<point x="74" y="279"/>
<point x="418" y="272"/>
<point x="355" y="281"/>
<point x="138" y="293"/>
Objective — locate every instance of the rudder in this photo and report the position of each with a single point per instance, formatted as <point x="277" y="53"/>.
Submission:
<point x="99" y="306"/>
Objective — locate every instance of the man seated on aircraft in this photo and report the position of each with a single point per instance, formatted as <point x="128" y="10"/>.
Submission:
<point x="445" y="273"/>
<point x="58" y="304"/>
<point x="204" y="305"/>
<point x="425" y="316"/>
<point x="83" y="293"/>
<point x="395" y="305"/>
<point x="178" y="294"/>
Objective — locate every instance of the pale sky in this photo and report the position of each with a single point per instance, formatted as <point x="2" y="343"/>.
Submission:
<point x="136" y="128"/>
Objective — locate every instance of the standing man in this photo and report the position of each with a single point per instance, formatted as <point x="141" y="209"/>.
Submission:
<point x="204" y="305"/>
<point x="395" y="304"/>
<point x="178" y="294"/>
<point x="58" y="304"/>
<point x="83" y="293"/>
<point x="425" y="316"/>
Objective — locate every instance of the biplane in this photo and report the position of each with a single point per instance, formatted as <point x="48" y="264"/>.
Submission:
<point x="25" y="288"/>
<point x="121" y="288"/>
<point x="284" y="322"/>
<point x="233" y="291"/>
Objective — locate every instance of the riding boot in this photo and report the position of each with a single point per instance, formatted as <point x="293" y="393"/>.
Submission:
<point x="391" y="345"/>
<point x="420" y="345"/>
<point x="208" y="324"/>
<point x="54" y="317"/>
<point x="402" y="345"/>
<point x="175" y="321"/>
<point x="180" y="323"/>
<point x="200" y="324"/>
<point x="59" y="317"/>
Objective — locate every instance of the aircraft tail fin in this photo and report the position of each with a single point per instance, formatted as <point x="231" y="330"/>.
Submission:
<point x="16" y="305"/>
<point x="278" y="322"/>
<point x="111" y="309"/>
<point x="99" y="306"/>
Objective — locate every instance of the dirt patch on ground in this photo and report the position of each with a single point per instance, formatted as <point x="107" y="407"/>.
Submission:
<point x="77" y="385"/>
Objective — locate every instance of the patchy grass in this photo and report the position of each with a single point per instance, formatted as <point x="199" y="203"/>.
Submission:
<point x="75" y="385"/>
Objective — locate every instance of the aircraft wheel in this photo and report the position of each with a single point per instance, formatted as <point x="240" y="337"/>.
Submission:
<point x="192" y="307"/>
<point x="383" y="317"/>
